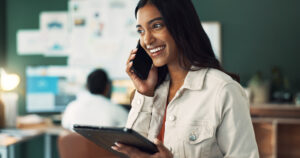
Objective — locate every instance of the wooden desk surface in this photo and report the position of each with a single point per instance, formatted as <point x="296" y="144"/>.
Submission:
<point x="14" y="136"/>
<point x="275" y="110"/>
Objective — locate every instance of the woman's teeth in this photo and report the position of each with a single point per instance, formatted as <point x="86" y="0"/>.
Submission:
<point x="157" y="49"/>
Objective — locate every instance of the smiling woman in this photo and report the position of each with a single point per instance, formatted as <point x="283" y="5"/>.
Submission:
<point x="189" y="106"/>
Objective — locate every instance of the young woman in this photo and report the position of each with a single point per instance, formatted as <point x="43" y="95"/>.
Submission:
<point x="189" y="106"/>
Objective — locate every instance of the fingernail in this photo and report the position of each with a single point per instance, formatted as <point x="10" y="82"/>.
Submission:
<point x="117" y="144"/>
<point x="114" y="148"/>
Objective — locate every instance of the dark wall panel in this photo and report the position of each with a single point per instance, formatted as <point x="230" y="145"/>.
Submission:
<point x="2" y="33"/>
<point x="257" y="35"/>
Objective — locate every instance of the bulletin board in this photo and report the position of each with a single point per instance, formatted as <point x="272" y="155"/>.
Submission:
<point x="93" y="33"/>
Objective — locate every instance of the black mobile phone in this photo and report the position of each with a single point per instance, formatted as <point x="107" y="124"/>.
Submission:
<point x="141" y="63"/>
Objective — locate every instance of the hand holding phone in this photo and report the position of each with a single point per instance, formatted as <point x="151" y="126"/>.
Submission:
<point x="141" y="63"/>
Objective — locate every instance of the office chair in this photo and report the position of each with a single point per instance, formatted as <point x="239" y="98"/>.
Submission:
<point x="73" y="145"/>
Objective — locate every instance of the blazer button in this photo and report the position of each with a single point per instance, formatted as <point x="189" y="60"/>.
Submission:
<point x="172" y="118"/>
<point x="193" y="137"/>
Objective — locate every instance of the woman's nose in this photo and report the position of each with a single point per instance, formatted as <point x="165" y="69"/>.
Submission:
<point x="148" y="38"/>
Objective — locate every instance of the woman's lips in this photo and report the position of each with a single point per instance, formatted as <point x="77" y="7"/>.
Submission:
<point x="157" y="50"/>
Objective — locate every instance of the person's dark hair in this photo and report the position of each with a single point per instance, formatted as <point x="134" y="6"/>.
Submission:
<point x="97" y="81"/>
<point x="183" y="23"/>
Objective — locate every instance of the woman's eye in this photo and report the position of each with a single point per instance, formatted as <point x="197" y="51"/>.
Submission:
<point x="157" y="26"/>
<point x="140" y="31"/>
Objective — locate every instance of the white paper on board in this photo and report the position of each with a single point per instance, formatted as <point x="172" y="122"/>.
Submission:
<point x="213" y="31"/>
<point x="30" y="42"/>
<point x="55" y="29"/>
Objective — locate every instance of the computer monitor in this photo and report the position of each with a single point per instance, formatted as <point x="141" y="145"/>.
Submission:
<point x="49" y="89"/>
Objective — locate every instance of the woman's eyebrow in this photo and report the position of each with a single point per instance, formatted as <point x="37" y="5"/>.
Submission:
<point x="155" y="19"/>
<point x="151" y="21"/>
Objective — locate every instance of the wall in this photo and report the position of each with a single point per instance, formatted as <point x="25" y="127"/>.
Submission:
<point x="257" y="35"/>
<point x="2" y="33"/>
<point x="25" y="15"/>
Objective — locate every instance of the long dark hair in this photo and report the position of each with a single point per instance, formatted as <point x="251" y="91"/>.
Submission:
<point x="183" y="23"/>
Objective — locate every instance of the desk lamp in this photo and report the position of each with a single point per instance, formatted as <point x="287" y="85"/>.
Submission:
<point x="8" y="110"/>
<point x="8" y="82"/>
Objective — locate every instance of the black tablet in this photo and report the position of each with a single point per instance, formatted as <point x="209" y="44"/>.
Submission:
<point x="105" y="137"/>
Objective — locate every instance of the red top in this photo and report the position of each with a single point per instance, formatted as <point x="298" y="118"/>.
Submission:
<point x="162" y="130"/>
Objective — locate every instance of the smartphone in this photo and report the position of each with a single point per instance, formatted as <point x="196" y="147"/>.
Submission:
<point x="141" y="63"/>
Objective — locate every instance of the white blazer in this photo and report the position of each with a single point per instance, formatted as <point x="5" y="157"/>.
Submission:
<point x="207" y="118"/>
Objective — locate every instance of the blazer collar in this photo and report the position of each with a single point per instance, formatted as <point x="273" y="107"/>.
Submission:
<point x="195" y="79"/>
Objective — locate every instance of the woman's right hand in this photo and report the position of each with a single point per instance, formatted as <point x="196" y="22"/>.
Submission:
<point x="145" y="87"/>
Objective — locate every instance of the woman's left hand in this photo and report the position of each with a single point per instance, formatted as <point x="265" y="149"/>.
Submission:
<point x="133" y="152"/>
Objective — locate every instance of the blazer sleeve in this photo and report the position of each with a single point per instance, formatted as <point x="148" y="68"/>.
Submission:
<point x="235" y="134"/>
<point x="139" y="117"/>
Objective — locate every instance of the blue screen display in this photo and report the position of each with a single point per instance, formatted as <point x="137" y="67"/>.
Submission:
<point x="42" y="84"/>
<point x="51" y="88"/>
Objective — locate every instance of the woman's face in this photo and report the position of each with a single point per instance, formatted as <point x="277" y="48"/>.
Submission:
<point x="154" y="36"/>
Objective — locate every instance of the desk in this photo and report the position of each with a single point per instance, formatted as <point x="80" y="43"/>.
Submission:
<point x="49" y="132"/>
<point x="10" y="137"/>
<point x="275" y="110"/>
<point x="277" y="129"/>
<point x="6" y="150"/>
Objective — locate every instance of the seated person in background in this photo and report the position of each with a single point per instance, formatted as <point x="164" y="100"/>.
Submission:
<point x="93" y="107"/>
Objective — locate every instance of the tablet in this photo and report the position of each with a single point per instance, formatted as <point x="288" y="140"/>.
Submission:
<point x="105" y="137"/>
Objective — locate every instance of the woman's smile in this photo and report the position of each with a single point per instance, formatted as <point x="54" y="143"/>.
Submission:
<point x="155" y="51"/>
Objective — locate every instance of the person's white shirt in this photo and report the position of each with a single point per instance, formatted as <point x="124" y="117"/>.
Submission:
<point x="95" y="110"/>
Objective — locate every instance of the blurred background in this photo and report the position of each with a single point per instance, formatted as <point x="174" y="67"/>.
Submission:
<point x="59" y="42"/>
